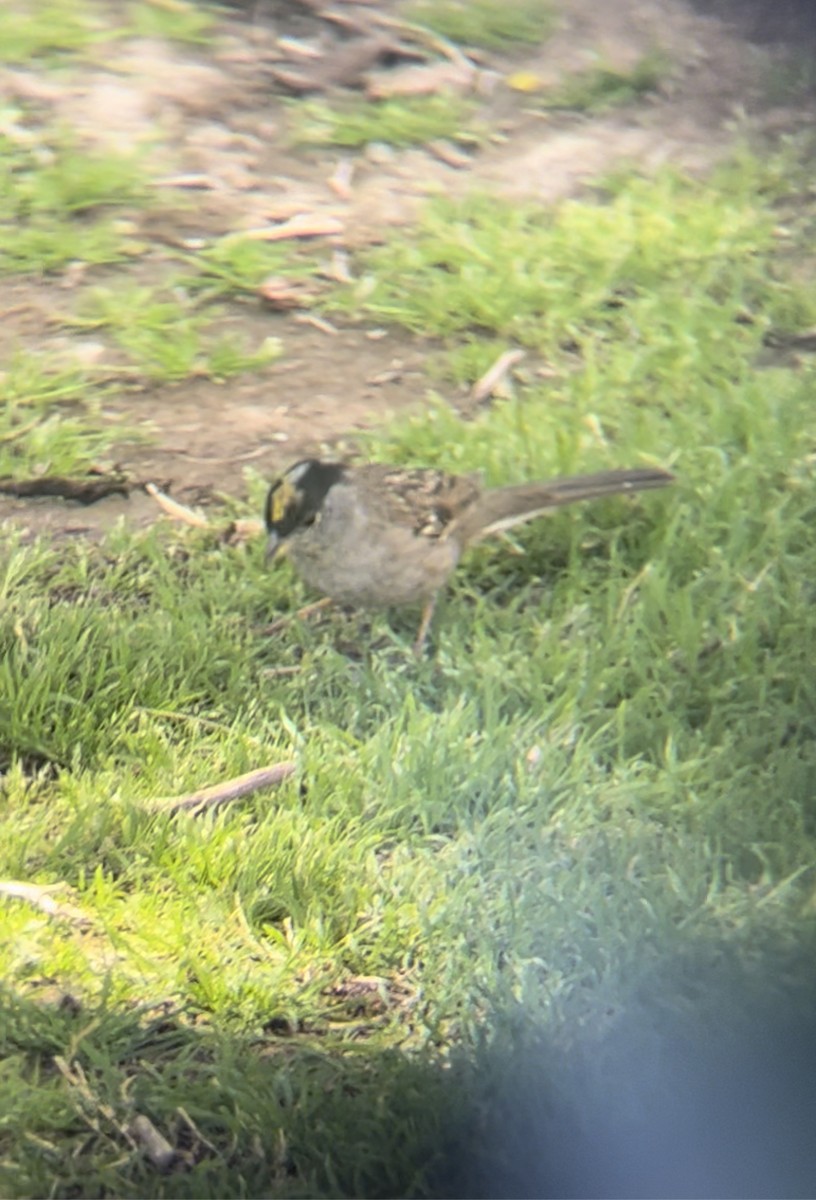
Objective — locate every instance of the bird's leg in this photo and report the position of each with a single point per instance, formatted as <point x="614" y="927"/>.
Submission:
<point x="425" y="624"/>
<point x="308" y="610"/>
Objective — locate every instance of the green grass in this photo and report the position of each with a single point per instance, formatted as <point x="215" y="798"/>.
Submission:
<point x="605" y="765"/>
<point x="486" y="23"/>
<point x="164" y="337"/>
<point x="666" y="803"/>
<point x="57" y="200"/>
<point x="789" y="80"/>
<point x="47" y="28"/>
<point x="55" y="32"/>
<point x="49" y="419"/>
<point x="656" y="280"/>
<point x="178" y="21"/>
<point x="236" y="265"/>
<point x="402" y="122"/>
<point x="602" y="88"/>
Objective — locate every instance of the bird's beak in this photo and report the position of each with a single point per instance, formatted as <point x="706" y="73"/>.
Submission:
<point x="273" y="545"/>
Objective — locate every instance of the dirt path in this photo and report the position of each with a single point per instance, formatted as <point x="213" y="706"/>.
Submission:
<point x="220" y="115"/>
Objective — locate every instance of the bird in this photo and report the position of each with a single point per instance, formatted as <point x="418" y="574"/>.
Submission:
<point x="374" y="535"/>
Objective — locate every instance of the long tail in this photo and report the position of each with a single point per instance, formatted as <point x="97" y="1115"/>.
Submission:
<point x="502" y="508"/>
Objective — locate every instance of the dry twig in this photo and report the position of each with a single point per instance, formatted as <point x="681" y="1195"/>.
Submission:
<point x="318" y="322"/>
<point x="155" y="1145"/>
<point x="425" y="37"/>
<point x="37" y="894"/>
<point x="448" y="153"/>
<point x="179" y="512"/>
<point x="193" y="180"/>
<point x="214" y="797"/>
<point x="492" y="379"/>
<point x="303" y="225"/>
<point x="281" y="293"/>
<point x="84" y="491"/>
<point x="425" y="80"/>
<point x="341" y="178"/>
<point x="344" y="68"/>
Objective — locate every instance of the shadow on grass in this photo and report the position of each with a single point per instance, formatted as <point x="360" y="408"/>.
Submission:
<point x="702" y="1084"/>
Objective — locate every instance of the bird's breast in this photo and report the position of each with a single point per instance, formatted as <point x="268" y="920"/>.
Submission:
<point x="356" y="558"/>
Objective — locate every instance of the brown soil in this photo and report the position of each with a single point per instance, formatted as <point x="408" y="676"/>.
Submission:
<point x="219" y="113"/>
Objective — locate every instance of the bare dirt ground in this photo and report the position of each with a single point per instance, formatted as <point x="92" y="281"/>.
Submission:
<point x="220" y="114"/>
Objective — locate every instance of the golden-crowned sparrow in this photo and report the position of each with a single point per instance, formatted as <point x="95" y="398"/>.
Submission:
<point x="376" y="535"/>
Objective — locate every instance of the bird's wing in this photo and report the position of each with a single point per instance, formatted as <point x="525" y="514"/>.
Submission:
<point x="428" y="501"/>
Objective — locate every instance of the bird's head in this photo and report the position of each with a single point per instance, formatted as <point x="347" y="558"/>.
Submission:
<point x="294" y="501"/>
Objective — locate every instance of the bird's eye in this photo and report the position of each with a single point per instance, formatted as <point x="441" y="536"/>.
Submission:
<point x="311" y="519"/>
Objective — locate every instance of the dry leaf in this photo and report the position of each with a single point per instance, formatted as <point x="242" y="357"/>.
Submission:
<point x="449" y="154"/>
<point x="492" y="379"/>
<point x="420" y="81"/>
<point x="340" y="179"/>
<point x="178" y="512"/>
<point x="281" y="293"/>
<point x="302" y="225"/>
<point x="155" y="1145"/>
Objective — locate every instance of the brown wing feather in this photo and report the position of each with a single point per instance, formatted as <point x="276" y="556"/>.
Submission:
<point x="502" y="508"/>
<point x="429" y="502"/>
